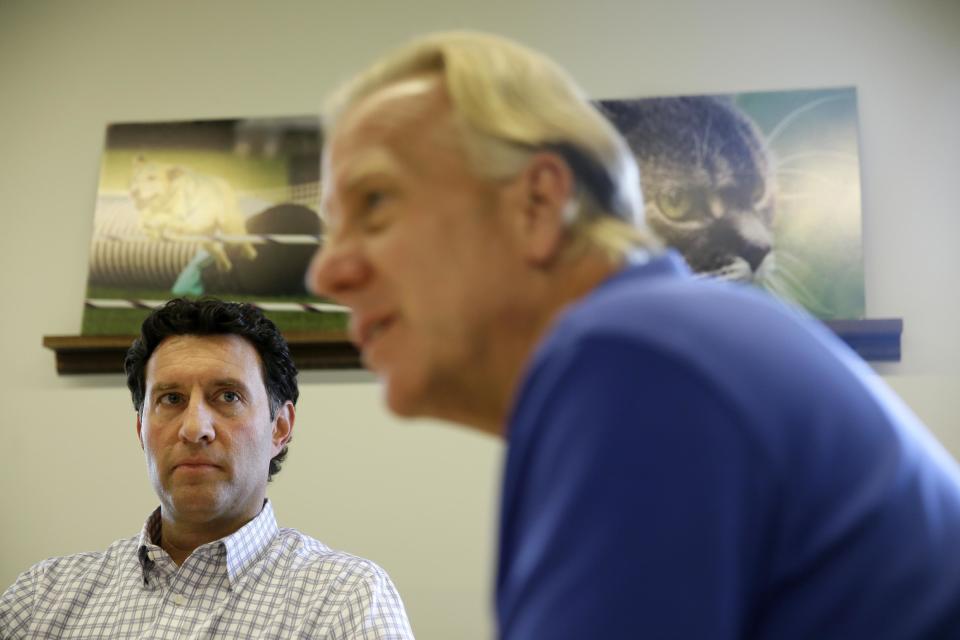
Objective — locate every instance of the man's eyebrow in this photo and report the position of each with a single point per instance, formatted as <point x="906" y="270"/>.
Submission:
<point x="373" y="163"/>
<point x="370" y="165"/>
<point x="218" y="382"/>
<point x="229" y="382"/>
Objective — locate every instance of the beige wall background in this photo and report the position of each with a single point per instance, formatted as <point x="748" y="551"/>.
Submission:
<point x="417" y="497"/>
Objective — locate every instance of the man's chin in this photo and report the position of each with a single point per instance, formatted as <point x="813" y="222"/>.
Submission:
<point x="406" y="400"/>
<point x="195" y="503"/>
<point x="400" y="400"/>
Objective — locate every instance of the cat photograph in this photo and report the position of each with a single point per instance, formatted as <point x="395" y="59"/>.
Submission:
<point x="754" y="197"/>
<point x="706" y="180"/>
<point x="175" y="201"/>
<point x="223" y="207"/>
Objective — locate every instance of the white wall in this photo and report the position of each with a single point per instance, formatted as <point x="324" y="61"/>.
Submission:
<point x="416" y="497"/>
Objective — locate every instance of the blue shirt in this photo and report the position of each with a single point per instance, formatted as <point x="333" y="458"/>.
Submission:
<point x="691" y="459"/>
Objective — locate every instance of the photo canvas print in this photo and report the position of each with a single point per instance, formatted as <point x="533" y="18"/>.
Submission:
<point x="759" y="187"/>
<point x="225" y="208"/>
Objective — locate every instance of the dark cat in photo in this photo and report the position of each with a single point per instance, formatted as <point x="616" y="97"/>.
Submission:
<point x="707" y="180"/>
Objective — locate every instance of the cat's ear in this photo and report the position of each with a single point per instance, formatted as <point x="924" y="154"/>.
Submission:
<point x="546" y="190"/>
<point x="139" y="160"/>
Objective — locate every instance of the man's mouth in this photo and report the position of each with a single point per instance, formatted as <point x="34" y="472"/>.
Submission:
<point x="364" y="333"/>
<point x="195" y="465"/>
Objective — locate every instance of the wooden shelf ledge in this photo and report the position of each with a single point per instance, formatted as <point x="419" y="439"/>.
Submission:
<point x="104" y="354"/>
<point x="874" y="339"/>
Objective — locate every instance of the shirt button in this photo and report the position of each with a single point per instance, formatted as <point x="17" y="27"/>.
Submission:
<point x="179" y="599"/>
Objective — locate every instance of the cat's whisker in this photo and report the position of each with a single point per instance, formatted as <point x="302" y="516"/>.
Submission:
<point x="796" y="197"/>
<point x="796" y="113"/>
<point x="702" y="151"/>
<point x="775" y="285"/>
<point x="817" y="155"/>
<point x="789" y="257"/>
<point x="736" y="271"/>
<point x="809" y="175"/>
<point x="804" y="295"/>
<point x="783" y="291"/>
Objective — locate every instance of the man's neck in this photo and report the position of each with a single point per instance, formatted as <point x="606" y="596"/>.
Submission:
<point x="568" y="282"/>
<point x="180" y="538"/>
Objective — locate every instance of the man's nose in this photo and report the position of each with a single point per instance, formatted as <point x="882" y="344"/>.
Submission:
<point x="336" y="270"/>
<point x="198" y="422"/>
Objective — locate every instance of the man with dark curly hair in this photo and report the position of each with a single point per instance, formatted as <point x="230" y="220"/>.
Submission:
<point x="214" y="388"/>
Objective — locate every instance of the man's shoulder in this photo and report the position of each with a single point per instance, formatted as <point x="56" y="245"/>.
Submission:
<point x="307" y="555"/>
<point x="77" y="565"/>
<point x="643" y="303"/>
<point x="763" y="363"/>
<point x="355" y="592"/>
<point x="712" y="326"/>
<point x="50" y="579"/>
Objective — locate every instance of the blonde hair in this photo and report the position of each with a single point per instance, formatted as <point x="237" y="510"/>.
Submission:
<point x="511" y="102"/>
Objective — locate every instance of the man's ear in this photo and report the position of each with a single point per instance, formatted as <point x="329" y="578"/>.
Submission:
<point x="139" y="430"/>
<point x="547" y="186"/>
<point x="283" y="426"/>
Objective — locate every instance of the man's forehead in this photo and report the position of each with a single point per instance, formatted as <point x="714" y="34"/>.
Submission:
<point x="395" y="104"/>
<point x="366" y="161"/>
<point x="393" y="112"/>
<point x="210" y="355"/>
<point x="371" y="135"/>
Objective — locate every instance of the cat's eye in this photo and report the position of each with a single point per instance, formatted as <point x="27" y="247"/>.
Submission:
<point x="676" y="204"/>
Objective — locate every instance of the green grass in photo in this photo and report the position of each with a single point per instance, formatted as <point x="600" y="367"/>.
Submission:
<point x="104" y="322"/>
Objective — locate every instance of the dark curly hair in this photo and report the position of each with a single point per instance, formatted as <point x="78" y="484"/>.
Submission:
<point x="209" y="316"/>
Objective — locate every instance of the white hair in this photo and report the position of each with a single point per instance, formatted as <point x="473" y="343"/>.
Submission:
<point x="511" y="102"/>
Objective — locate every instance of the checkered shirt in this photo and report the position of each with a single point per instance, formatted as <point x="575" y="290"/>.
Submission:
<point x="259" y="582"/>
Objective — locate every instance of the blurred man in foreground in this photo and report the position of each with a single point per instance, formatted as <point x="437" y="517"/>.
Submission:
<point x="686" y="459"/>
<point x="214" y="388"/>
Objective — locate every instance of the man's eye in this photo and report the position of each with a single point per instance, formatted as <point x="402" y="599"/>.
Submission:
<point x="169" y="399"/>
<point x="375" y="220"/>
<point x="372" y="199"/>
<point x="230" y="397"/>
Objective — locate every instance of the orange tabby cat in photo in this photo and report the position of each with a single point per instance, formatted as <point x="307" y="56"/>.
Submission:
<point x="175" y="201"/>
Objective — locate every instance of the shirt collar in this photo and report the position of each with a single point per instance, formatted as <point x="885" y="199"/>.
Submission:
<point x="147" y="550"/>
<point x="243" y="546"/>
<point x="248" y="543"/>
